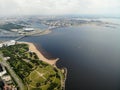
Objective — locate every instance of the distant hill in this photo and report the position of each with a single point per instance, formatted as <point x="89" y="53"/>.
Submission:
<point x="10" y="26"/>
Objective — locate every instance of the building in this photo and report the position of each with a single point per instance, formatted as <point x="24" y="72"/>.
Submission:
<point x="6" y="82"/>
<point x="1" y="45"/>
<point x="8" y="43"/>
<point x="28" y="29"/>
<point x="2" y="70"/>
<point x="6" y="78"/>
<point x="14" y="30"/>
<point x="7" y="87"/>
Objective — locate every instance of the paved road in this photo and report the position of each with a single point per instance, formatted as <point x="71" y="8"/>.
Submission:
<point x="18" y="81"/>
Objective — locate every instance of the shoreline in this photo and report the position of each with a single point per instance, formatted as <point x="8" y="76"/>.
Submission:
<point x="61" y="72"/>
<point x="65" y="72"/>
<point x="52" y="62"/>
<point x="33" y="48"/>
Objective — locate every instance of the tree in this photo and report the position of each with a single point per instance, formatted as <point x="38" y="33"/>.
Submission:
<point x="38" y="84"/>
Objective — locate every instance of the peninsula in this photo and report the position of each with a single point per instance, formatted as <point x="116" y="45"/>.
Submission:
<point x="29" y="69"/>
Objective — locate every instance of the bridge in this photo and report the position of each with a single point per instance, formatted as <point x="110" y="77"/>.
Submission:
<point x="33" y="33"/>
<point x="20" y="37"/>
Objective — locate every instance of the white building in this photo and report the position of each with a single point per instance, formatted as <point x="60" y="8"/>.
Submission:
<point x="6" y="78"/>
<point x="9" y="43"/>
<point x="2" y="70"/>
<point x="28" y="29"/>
<point x="1" y="45"/>
<point x="14" y="30"/>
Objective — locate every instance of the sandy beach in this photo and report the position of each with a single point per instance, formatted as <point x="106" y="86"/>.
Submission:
<point x="39" y="54"/>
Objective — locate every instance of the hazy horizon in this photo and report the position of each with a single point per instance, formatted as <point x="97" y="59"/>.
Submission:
<point x="62" y="7"/>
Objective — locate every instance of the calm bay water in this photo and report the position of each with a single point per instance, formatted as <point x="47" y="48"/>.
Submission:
<point x="90" y="53"/>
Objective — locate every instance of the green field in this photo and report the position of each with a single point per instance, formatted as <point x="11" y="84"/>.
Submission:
<point x="40" y="79"/>
<point x="34" y="73"/>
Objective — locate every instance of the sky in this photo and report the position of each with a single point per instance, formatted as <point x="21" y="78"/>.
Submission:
<point x="60" y="7"/>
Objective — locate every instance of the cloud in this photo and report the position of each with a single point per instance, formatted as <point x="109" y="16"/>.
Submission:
<point x="58" y="7"/>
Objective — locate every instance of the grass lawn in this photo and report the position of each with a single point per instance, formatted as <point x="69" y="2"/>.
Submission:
<point x="36" y="74"/>
<point x="0" y="59"/>
<point x="41" y="75"/>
